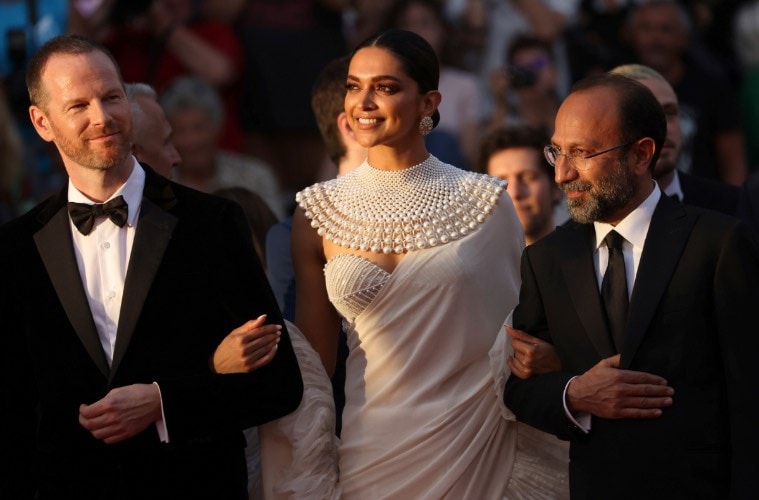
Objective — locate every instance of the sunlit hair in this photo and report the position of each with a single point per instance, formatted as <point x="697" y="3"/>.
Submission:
<point x="135" y="90"/>
<point x="638" y="72"/>
<point x="417" y="58"/>
<point x="189" y="92"/>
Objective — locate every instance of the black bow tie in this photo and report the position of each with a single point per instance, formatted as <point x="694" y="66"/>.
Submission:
<point x="83" y="215"/>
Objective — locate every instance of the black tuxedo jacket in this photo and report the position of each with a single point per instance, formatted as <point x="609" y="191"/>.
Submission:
<point x="748" y="207"/>
<point x="709" y="193"/>
<point x="692" y="320"/>
<point x="193" y="276"/>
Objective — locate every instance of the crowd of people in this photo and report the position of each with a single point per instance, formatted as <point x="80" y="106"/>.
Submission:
<point x="503" y="63"/>
<point x="410" y="248"/>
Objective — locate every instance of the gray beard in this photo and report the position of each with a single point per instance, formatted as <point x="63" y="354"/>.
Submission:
<point x="609" y="195"/>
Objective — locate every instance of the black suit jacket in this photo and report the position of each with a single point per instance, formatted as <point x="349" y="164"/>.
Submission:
<point x="708" y="193"/>
<point x="192" y="277"/>
<point x="748" y="207"/>
<point x="692" y="320"/>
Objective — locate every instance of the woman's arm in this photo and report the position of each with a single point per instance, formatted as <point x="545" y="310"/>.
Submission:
<point x="314" y="314"/>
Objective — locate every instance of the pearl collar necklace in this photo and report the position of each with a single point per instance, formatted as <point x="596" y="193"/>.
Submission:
<point x="397" y="211"/>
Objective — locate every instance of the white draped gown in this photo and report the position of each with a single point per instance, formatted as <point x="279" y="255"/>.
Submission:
<point x="424" y="415"/>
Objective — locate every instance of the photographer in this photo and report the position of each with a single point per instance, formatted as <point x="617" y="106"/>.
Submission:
<point x="524" y="91"/>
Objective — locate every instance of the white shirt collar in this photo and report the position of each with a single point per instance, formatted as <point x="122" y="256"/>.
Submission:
<point x="131" y="190"/>
<point x="674" y="187"/>
<point x="634" y="227"/>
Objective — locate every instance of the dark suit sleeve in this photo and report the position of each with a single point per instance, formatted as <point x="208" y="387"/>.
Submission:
<point x="736" y="295"/>
<point x="538" y="400"/>
<point x="197" y="406"/>
<point x="18" y="395"/>
<point x="748" y="206"/>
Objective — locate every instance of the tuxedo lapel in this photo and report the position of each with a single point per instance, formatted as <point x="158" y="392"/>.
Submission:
<point x="56" y="248"/>
<point x="154" y="230"/>
<point x="667" y="236"/>
<point x="580" y="276"/>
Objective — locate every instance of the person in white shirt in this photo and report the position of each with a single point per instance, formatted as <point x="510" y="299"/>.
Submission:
<point x="650" y="306"/>
<point x="115" y="295"/>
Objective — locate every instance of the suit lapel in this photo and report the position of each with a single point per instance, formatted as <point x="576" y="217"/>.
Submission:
<point x="580" y="276"/>
<point x="667" y="236"/>
<point x="154" y="230"/>
<point x="56" y="248"/>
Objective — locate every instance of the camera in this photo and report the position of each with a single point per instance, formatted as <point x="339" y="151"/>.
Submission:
<point x="521" y="77"/>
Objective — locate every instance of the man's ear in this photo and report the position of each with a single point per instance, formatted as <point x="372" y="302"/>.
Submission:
<point x="643" y="151"/>
<point x="41" y="123"/>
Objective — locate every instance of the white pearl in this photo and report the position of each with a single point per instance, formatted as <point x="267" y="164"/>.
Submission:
<point x="380" y="211"/>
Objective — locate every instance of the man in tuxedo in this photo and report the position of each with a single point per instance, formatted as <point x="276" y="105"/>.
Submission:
<point x="686" y="188"/>
<point x="111" y="313"/>
<point x="650" y="306"/>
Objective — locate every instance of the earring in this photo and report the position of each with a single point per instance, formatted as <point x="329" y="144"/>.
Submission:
<point x="425" y="125"/>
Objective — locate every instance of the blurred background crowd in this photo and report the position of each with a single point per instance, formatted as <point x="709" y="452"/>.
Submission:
<point x="234" y="78"/>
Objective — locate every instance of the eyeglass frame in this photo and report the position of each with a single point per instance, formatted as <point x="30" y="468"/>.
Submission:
<point x="570" y="159"/>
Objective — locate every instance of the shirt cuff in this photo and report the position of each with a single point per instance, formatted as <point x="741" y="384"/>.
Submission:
<point x="581" y="419"/>
<point x="160" y="425"/>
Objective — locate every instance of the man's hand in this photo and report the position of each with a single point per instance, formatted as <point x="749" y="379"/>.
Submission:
<point x="608" y="392"/>
<point x="123" y="413"/>
<point x="532" y="356"/>
<point x="247" y="348"/>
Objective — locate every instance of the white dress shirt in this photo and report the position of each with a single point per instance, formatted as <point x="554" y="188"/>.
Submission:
<point x="102" y="257"/>
<point x="674" y="187"/>
<point x="634" y="229"/>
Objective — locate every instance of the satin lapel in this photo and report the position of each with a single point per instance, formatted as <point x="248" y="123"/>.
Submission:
<point x="580" y="276"/>
<point x="154" y="231"/>
<point x="56" y="248"/>
<point x="667" y="236"/>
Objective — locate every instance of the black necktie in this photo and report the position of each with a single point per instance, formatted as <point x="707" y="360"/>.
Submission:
<point x="83" y="215"/>
<point x="675" y="197"/>
<point x="614" y="289"/>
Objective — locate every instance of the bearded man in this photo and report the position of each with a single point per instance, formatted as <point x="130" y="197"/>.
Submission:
<point x="650" y="306"/>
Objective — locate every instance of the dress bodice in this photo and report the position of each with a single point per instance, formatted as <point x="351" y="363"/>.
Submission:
<point x="352" y="283"/>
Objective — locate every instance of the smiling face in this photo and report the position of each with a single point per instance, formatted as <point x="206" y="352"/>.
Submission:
<point x="382" y="102"/>
<point x="587" y="122"/>
<point x="530" y="188"/>
<point x="86" y="113"/>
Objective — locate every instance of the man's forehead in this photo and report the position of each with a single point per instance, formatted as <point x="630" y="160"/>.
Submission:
<point x="588" y="112"/>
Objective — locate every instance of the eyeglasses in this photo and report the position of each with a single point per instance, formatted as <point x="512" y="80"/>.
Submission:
<point x="575" y="157"/>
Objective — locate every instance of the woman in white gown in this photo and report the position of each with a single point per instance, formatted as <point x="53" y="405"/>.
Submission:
<point x="420" y="262"/>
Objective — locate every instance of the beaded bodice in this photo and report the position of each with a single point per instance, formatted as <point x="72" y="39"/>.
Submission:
<point x="426" y="205"/>
<point x="352" y="283"/>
